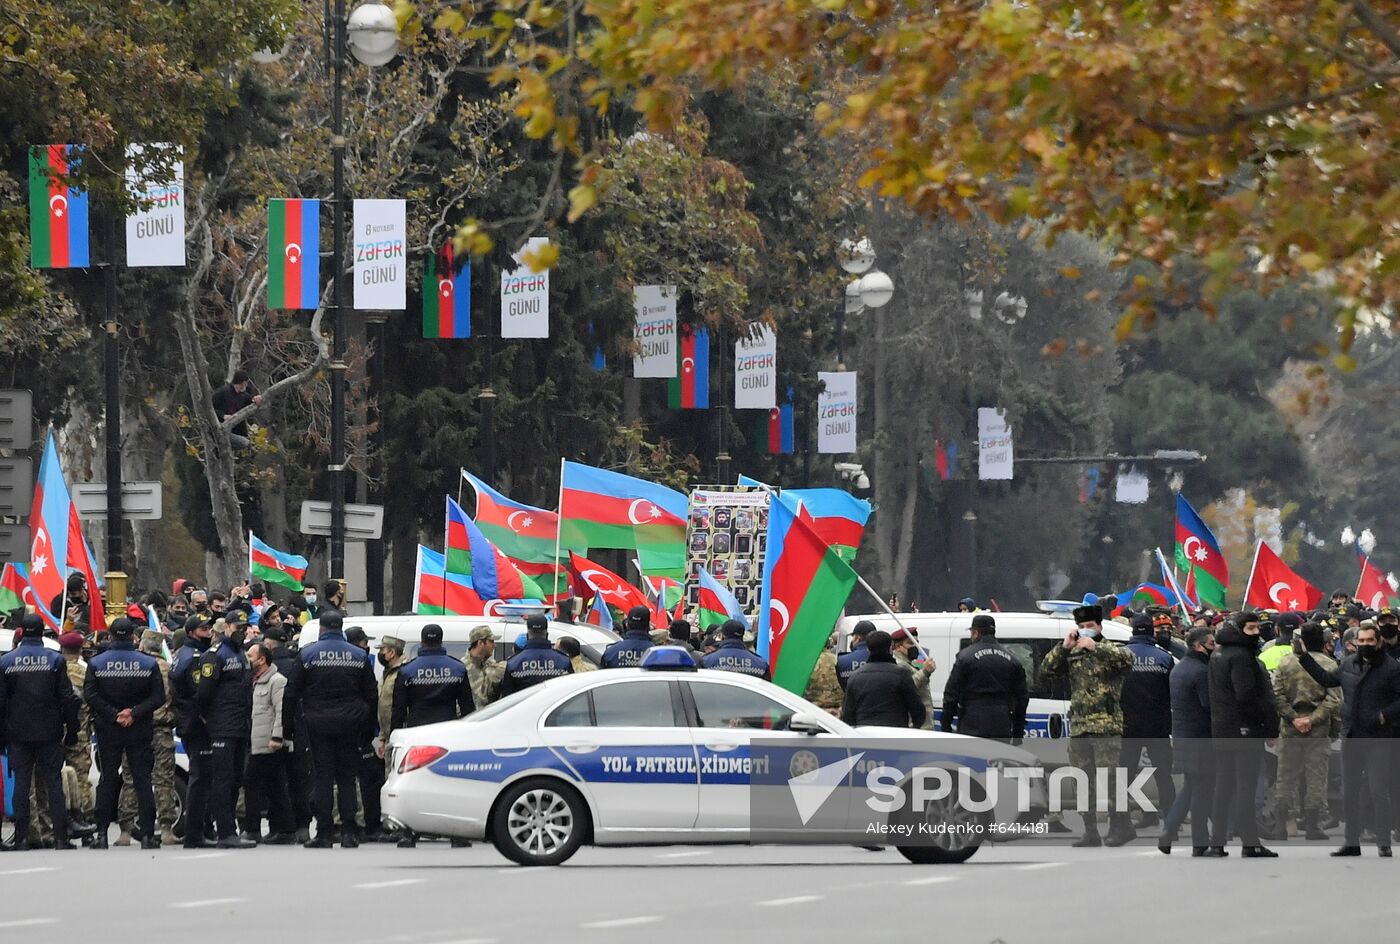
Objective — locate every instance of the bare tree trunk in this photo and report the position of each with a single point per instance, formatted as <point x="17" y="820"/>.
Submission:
<point x="146" y="440"/>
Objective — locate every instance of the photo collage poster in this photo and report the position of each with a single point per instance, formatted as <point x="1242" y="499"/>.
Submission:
<point x="727" y="533"/>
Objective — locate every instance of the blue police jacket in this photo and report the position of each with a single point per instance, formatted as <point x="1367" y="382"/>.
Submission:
<point x="733" y="656"/>
<point x="848" y="662"/>
<point x="537" y="662"/>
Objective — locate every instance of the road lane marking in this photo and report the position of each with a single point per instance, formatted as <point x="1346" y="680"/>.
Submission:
<point x="206" y="902"/>
<point x="394" y="883"/>
<point x="780" y="902"/>
<point x="685" y="855"/>
<point x="28" y="922"/>
<point x="932" y="880"/>
<point x="621" y="922"/>
<point x="1035" y="866"/>
<point x="42" y="868"/>
<point x="199" y="855"/>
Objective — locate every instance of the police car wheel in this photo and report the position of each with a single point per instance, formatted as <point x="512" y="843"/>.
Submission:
<point x="932" y="855"/>
<point x="539" y="822"/>
<point x="954" y="832"/>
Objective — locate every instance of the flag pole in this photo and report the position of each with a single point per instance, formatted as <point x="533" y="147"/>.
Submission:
<point x="461" y="474"/>
<point x="1170" y="574"/>
<point x="1365" y="559"/>
<point x="559" y="528"/>
<point x="892" y="614"/>
<point x="250" y="553"/>
<point x="1249" y="583"/>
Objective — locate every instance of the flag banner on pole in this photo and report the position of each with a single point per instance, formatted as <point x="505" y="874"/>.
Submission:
<point x="447" y="296"/>
<point x="940" y="460"/>
<point x="552" y="581"/>
<point x="81" y="558"/>
<point x="1374" y="590"/>
<point x="381" y="262"/>
<point x="837" y="516"/>
<point x="494" y="577"/>
<point x="438" y="593"/>
<point x="756" y="371"/>
<point x="48" y="526"/>
<point x="58" y="214"/>
<point x="836" y="412"/>
<point x="654" y="331"/>
<point x="1274" y="585"/>
<point x="805" y="586"/>
<point x="1152" y="594"/>
<point x="608" y="585"/>
<point x="293" y="254"/>
<point x="715" y="602"/>
<point x="270" y="565"/>
<point x="995" y="459"/>
<point x="599" y="614"/>
<point x="522" y="532"/>
<point x="664" y="594"/>
<point x="155" y="229"/>
<point x="600" y="361"/>
<point x="1198" y="552"/>
<point x="776" y="429"/>
<point x="689" y="389"/>
<point x="604" y="509"/>
<point x="16" y="590"/>
<point x="525" y="297"/>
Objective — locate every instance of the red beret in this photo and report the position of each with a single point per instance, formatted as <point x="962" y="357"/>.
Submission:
<point x="71" y="640"/>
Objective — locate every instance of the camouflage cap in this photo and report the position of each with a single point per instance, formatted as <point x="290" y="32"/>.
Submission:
<point x="392" y="642"/>
<point x="152" y="638"/>
<point x="480" y="634"/>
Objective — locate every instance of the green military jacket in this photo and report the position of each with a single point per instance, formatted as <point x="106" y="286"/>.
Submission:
<point x="1096" y="682"/>
<point x="1296" y="695"/>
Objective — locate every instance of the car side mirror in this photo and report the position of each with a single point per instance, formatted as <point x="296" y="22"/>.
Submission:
<point x="807" y="723"/>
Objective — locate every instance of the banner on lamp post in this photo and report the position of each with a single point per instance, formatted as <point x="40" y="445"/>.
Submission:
<point x="654" y="331"/>
<point x="756" y="371"/>
<point x="155" y="230"/>
<point x="525" y="297"/>
<point x="381" y="259"/>
<point x="995" y="459"/>
<point x="836" y="412"/>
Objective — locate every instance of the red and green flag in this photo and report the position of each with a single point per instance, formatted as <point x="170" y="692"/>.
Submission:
<point x="438" y="593"/>
<point x="603" y="509"/>
<point x="447" y="296"/>
<point x="522" y="532"/>
<point x="58" y="214"/>
<point x="293" y="253"/>
<point x="690" y="388"/>
<point x="270" y="565"/>
<point x="1374" y="589"/>
<point x="1197" y="550"/>
<point x="715" y="603"/>
<point x="776" y="431"/>
<point x="16" y="592"/>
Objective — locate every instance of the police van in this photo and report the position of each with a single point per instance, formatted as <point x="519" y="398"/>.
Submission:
<point x="1029" y="637"/>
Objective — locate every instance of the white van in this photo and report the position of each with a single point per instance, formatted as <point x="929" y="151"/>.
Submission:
<point x="456" y="630"/>
<point x="1029" y="636"/>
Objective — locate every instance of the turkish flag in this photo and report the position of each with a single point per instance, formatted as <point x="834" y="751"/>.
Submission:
<point x="612" y="588"/>
<point x="1374" y="590"/>
<point x="1274" y="586"/>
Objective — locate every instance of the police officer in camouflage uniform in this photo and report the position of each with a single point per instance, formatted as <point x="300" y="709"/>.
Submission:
<point x="823" y="690"/>
<point x="163" y="749"/>
<point x="79" y="756"/>
<point x="1306" y="711"/>
<point x="1095" y="668"/>
<point x="484" y="673"/>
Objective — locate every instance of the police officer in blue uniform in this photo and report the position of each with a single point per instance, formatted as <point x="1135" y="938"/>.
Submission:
<point x="538" y="661"/>
<point x="733" y="656"/>
<point x="848" y="662"/>
<point x="1146" y="699"/>
<point x="123" y="690"/>
<point x="627" y="652"/>
<point x="333" y="683"/>
<point x="38" y="716"/>
<point x="433" y="687"/>
<point x="223" y="695"/>
<point x="190" y="726"/>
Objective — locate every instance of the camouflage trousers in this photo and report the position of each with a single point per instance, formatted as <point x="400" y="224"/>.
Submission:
<point x="79" y="757"/>
<point x="41" y="821"/>
<point x="1089" y="753"/>
<point x="1302" y="758"/>
<point x="162" y="783"/>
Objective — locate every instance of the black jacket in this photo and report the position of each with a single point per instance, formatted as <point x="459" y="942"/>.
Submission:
<point x="1241" y="695"/>
<point x="627" y="652"/>
<point x="1369" y="689"/>
<point x="986" y="694"/>
<point x="431" y="688"/>
<point x="1146" y="697"/>
<point x="539" y="662"/>
<point x="882" y="693"/>
<point x="223" y="692"/>
<point x="183" y="673"/>
<point x="1190" y="692"/>
<point x="293" y="721"/>
<point x="37" y="701"/>
<point x="228" y="401"/>
<point x="122" y="678"/>
<point x="333" y="684"/>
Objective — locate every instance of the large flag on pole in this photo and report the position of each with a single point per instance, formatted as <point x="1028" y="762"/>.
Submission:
<point x="805" y="585"/>
<point x="80" y="557"/>
<point x="1273" y="585"/>
<point x="690" y="388"/>
<point x="837" y="516"/>
<point x="16" y="591"/>
<point x="438" y="593"/>
<point x="494" y="577"/>
<point x="1374" y="590"/>
<point x="270" y="565"/>
<point x="603" y="509"/>
<point x="522" y="532"/>
<point x="48" y="524"/>
<point x="608" y="585"/>
<point x="1197" y="548"/>
<point x="447" y="296"/>
<point x="716" y="603"/>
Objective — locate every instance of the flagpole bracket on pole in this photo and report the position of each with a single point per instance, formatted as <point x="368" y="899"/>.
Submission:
<point x="116" y="594"/>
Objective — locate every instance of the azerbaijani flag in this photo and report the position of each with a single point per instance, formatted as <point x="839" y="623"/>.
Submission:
<point x="1197" y="548"/>
<point x="690" y="388"/>
<point x="716" y="604"/>
<point x="522" y="532"/>
<point x="49" y="526"/>
<point x="604" y="509"/>
<point x="16" y="591"/>
<point x="600" y="615"/>
<point x="457" y="543"/>
<point x="776" y="430"/>
<point x="270" y="565"/>
<point x="837" y="516"/>
<point x="665" y="595"/>
<point x="805" y="586"/>
<point x="494" y="577"/>
<point x="58" y="214"/>
<point x="447" y="296"/>
<point x="438" y="593"/>
<point x="1374" y="590"/>
<point x="293" y="253"/>
<point x="1154" y="594"/>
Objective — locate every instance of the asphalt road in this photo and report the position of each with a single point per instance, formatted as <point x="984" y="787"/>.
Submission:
<point x="438" y="895"/>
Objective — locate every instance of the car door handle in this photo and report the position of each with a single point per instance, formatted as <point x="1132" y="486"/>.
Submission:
<point x="510" y="751"/>
<point x="722" y="746"/>
<point x="580" y="748"/>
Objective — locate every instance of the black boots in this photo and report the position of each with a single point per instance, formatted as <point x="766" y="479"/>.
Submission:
<point x="1120" y="830"/>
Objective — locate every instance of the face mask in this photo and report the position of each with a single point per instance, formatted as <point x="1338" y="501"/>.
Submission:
<point x="1371" y="653"/>
<point x="235" y="638"/>
<point x="384" y="660"/>
<point x="1163" y="639"/>
<point x="311" y="598"/>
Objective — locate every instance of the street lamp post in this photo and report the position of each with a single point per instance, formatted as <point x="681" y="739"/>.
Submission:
<point x="970" y="519"/>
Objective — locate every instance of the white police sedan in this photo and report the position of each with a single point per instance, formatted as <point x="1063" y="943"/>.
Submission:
<point x="667" y="754"/>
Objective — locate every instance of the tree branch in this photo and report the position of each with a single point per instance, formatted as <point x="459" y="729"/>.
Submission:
<point x="1379" y="28"/>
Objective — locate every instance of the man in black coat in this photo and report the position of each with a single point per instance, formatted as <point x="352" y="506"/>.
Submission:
<point x="1242" y="716"/>
<point x="1147" y="721"/>
<point x="986" y="693"/>
<point x="1192" y="752"/>
<point x="882" y="692"/>
<point x="1370" y="682"/>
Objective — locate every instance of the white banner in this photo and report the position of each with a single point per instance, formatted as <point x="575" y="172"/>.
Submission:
<point x="756" y="372"/>
<point x="381" y="262"/>
<point x="836" y="412"/>
<point x="994" y="458"/>
<point x="525" y="298"/>
<point x="155" y="236"/>
<point x="1132" y="487"/>
<point x="654" y="331"/>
